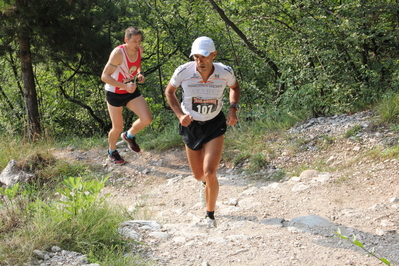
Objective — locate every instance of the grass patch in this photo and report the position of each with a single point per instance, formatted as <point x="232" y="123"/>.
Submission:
<point x="163" y="140"/>
<point x="383" y="154"/>
<point x="395" y="127"/>
<point x="258" y="162"/>
<point x="391" y="152"/>
<point x="295" y="145"/>
<point x="62" y="207"/>
<point x="79" y="143"/>
<point x="326" y="141"/>
<point x="351" y="133"/>
<point x="250" y="145"/>
<point x="388" y="108"/>
<point x="81" y="221"/>
<point x="14" y="147"/>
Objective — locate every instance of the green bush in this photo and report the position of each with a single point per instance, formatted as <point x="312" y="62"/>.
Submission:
<point x="80" y="220"/>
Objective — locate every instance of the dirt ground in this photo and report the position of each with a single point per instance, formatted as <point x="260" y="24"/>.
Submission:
<point x="261" y="222"/>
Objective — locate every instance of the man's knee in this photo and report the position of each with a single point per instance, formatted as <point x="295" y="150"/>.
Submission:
<point x="198" y="177"/>
<point x="146" y="120"/>
<point x="210" y="176"/>
<point x="116" y="129"/>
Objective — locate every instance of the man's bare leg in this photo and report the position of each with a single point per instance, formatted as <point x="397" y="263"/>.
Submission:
<point x="204" y="164"/>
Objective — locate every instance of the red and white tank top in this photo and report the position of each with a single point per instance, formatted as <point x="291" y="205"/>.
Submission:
<point x="125" y="72"/>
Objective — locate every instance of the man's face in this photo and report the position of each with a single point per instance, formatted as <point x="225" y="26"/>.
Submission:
<point x="204" y="63"/>
<point x="134" y="42"/>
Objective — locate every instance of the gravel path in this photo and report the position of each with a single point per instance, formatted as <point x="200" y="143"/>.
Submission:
<point x="262" y="222"/>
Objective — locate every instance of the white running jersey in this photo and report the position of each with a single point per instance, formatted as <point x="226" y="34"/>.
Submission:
<point x="202" y="100"/>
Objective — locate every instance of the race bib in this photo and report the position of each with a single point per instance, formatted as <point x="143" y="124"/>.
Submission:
<point x="204" y="106"/>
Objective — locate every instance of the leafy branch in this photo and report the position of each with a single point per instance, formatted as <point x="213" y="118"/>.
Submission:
<point x="355" y="242"/>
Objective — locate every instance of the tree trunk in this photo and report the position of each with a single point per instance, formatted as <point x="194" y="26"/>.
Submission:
<point x="32" y="109"/>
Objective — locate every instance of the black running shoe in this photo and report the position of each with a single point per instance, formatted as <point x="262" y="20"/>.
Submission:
<point x="116" y="158"/>
<point x="131" y="143"/>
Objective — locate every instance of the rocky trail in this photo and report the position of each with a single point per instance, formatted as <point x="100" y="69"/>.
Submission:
<point x="264" y="222"/>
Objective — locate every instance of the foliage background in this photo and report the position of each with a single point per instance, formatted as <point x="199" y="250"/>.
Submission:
<point x="301" y="58"/>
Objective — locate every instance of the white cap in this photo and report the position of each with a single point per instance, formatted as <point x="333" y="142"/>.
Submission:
<point x="203" y="46"/>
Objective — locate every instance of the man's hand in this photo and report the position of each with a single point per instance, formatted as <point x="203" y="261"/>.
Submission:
<point x="185" y="120"/>
<point x="130" y="87"/>
<point x="140" y="78"/>
<point x="231" y="117"/>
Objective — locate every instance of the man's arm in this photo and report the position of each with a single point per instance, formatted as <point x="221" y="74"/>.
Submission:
<point x="170" y="93"/>
<point x="115" y="59"/>
<point x="234" y="98"/>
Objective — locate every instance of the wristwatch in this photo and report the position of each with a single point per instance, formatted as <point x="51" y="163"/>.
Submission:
<point x="234" y="106"/>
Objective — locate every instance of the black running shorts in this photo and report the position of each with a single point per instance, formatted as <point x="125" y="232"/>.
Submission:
<point x="199" y="133"/>
<point x="118" y="100"/>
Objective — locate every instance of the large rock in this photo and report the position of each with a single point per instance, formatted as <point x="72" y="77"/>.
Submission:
<point x="12" y="174"/>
